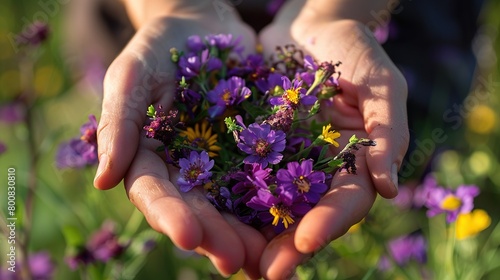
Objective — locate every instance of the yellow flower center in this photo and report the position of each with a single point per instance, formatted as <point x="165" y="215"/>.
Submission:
<point x="451" y="203"/>
<point x="226" y="96"/>
<point x="280" y="211"/>
<point x="302" y="184"/>
<point x="262" y="148"/>
<point x="193" y="173"/>
<point x="292" y="95"/>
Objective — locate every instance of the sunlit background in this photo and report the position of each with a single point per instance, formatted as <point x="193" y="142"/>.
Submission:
<point x="48" y="90"/>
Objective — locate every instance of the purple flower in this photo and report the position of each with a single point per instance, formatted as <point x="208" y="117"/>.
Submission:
<point x="220" y="197"/>
<point x="34" y="34"/>
<point x="193" y="64"/>
<point x="452" y="202"/>
<point x="102" y="246"/>
<point x="41" y="266"/>
<point x="80" y="152"/>
<point x="195" y="44"/>
<point x="282" y="205"/>
<point x="224" y="42"/>
<point x="269" y="83"/>
<point x="294" y="95"/>
<point x="301" y="178"/>
<point x="407" y="248"/>
<point x="323" y="73"/>
<point x="195" y="171"/>
<point x="12" y="113"/>
<point x="162" y="126"/>
<point x="76" y="154"/>
<point x="252" y="176"/>
<point x="381" y="33"/>
<point x="422" y="191"/>
<point x="227" y="93"/>
<point x="262" y="144"/>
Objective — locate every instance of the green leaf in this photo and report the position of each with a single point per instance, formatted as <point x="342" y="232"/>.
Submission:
<point x="151" y="111"/>
<point x="353" y="139"/>
<point x="252" y="110"/>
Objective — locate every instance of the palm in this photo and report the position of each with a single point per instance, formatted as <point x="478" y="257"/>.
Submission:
<point x="370" y="85"/>
<point x="143" y="75"/>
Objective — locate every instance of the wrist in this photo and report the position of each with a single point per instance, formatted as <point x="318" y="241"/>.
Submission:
<point x="144" y="11"/>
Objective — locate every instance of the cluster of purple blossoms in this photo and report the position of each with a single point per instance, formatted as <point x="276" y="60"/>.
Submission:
<point x="403" y="250"/>
<point x="253" y="156"/>
<point x="82" y="151"/>
<point x="102" y="246"/>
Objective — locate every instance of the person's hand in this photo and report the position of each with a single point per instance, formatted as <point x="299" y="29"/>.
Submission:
<point x="142" y="75"/>
<point x="372" y="104"/>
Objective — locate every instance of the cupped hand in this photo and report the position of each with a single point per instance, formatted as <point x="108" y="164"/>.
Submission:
<point x="142" y="75"/>
<point x="372" y="104"/>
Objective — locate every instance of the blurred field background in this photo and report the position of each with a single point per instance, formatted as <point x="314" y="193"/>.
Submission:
<point x="61" y="80"/>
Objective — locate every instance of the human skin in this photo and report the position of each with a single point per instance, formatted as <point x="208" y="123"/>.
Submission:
<point x="372" y="104"/>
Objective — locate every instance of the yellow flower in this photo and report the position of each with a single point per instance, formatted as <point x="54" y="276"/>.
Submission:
<point x="472" y="223"/>
<point x="482" y="119"/>
<point x="202" y="138"/>
<point x="330" y="136"/>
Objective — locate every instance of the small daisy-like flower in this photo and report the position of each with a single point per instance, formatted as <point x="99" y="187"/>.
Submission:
<point x="227" y="93"/>
<point x="262" y="144"/>
<point x="294" y="95"/>
<point x="452" y="202"/>
<point x="202" y="137"/>
<point x="195" y="171"/>
<point x="330" y="135"/>
<point x="301" y="178"/>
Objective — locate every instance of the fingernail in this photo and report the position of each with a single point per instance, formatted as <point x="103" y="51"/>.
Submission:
<point x="103" y="162"/>
<point x="394" y="171"/>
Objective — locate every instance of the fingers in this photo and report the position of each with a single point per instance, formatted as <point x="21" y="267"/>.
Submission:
<point x="131" y="84"/>
<point x="188" y="219"/>
<point x="383" y="104"/>
<point x="280" y="258"/>
<point x="348" y="201"/>
<point x="253" y="242"/>
<point x="149" y="188"/>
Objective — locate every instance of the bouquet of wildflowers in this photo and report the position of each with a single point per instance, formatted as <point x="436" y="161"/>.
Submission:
<point x="242" y="129"/>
